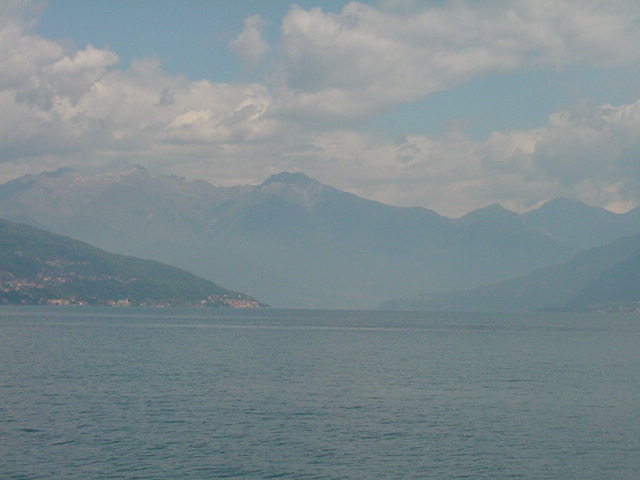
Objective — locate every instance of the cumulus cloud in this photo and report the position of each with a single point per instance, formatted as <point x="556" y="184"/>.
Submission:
<point x="250" y="44"/>
<point x="22" y="54"/>
<point x="365" y="60"/>
<point x="76" y="105"/>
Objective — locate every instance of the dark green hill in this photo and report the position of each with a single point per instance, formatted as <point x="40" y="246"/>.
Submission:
<point x="39" y="267"/>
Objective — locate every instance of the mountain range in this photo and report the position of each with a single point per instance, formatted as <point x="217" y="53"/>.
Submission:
<point x="39" y="267"/>
<point x="294" y="242"/>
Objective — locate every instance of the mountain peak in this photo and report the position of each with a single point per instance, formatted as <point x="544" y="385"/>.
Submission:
<point x="579" y="223"/>
<point x="59" y="172"/>
<point x="134" y="170"/>
<point x="489" y="213"/>
<point x="290" y="178"/>
<point x="563" y="209"/>
<point x="566" y="204"/>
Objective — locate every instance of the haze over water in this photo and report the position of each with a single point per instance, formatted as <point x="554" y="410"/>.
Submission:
<point x="206" y="394"/>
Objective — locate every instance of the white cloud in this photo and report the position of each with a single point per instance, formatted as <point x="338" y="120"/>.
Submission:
<point x="596" y="150"/>
<point x="22" y="54"/>
<point x="78" y="106"/>
<point x="66" y="78"/>
<point x="365" y="60"/>
<point x="250" y="44"/>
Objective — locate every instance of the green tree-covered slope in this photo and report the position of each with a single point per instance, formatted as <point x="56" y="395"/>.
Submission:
<point x="39" y="267"/>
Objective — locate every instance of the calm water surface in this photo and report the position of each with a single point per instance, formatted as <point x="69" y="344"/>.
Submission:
<point x="207" y="394"/>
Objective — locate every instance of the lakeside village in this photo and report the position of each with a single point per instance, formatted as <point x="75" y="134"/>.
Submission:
<point x="22" y="291"/>
<point x="211" y="301"/>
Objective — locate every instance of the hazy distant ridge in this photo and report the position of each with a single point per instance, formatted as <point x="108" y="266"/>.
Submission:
<point x="605" y="277"/>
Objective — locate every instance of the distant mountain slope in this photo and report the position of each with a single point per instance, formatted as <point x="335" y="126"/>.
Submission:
<point x="583" y="225"/>
<point x="600" y="276"/>
<point x="38" y="267"/>
<point x="617" y="285"/>
<point x="291" y="240"/>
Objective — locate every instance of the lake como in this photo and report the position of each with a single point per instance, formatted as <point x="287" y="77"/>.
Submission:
<point x="136" y="393"/>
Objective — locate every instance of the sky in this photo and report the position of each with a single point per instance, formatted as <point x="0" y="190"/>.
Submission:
<point x="449" y="105"/>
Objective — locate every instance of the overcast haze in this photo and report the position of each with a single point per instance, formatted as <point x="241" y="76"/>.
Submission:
<point x="446" y="105"/>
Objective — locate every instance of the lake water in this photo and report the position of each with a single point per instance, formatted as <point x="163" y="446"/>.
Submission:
<point x="133" y="393"/>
